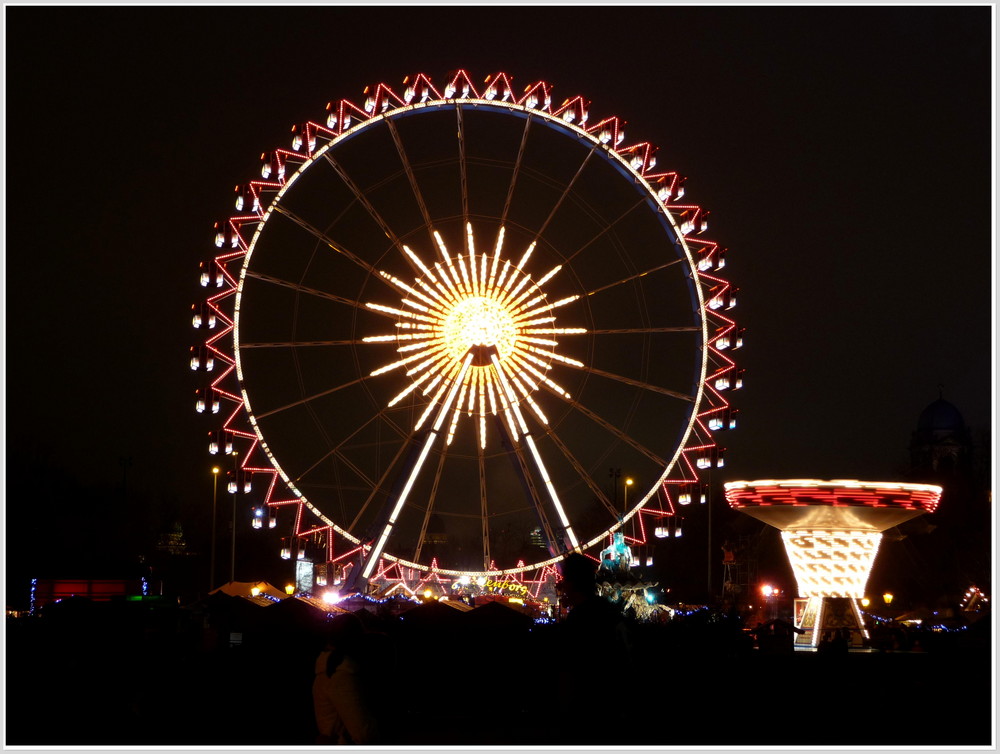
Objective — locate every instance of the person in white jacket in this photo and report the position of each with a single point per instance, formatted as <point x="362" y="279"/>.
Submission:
<point x="343" y="698"/>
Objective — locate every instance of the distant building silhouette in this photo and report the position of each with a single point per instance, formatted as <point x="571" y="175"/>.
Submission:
<point x="941" y="444"/>
<point x="935" y="558"/>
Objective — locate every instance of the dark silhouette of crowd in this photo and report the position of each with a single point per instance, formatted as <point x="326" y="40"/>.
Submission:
<point x="225" y="672"/>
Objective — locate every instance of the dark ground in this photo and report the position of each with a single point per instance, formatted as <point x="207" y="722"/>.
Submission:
<point x="131" y="675"/>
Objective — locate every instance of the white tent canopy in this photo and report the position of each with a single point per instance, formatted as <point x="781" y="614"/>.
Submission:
<point x="245" y="589"/>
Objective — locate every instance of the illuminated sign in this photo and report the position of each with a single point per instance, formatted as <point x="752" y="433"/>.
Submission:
<point x="507" y="587"/>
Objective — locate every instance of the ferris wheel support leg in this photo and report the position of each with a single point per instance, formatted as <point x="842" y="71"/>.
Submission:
<point x="382" y="527"/>
<point x="404" y="485"/>
<point x="530" y="491"/>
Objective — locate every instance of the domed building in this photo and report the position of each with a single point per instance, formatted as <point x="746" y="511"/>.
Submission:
<point x="941" y="444"/>
<point x="933" y="559"/>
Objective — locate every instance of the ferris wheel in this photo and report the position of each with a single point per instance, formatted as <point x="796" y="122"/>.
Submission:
<point x="442" y="315"/>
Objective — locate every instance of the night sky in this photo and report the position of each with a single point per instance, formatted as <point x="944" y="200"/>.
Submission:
<point x="845" y="154"/>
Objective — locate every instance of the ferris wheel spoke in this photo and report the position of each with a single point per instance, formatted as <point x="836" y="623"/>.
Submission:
<point x="516" y="171"/>
<point x="321" y="236"/>
<point x="638" y="275"/>
<point x="462" y="166"/>
<point x="606" y="229"/>
<point x="362" y="198"/>
<point x="303" y="289"/>
<point x="566" y="191"/>
<point x="431" y="498"/>
<point x="619" y="434"/>
<point x="583" y="474"/>
<point x="309" y="398"/>
<point x="410" y="175"/>
<point x="645" y="330"/>
<point x="338" y="449"/>
<point x="639" y="384"/>
<point x="299" y="343"/>
<point x="483" y="506"/>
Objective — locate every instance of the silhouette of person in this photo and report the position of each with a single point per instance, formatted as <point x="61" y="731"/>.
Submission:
<point x="593" y="644"/>
<point x="728" y="553"/>
<point x="343" y="699"/>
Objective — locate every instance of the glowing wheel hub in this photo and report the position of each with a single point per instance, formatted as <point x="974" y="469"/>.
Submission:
<point x="478" y="321"/>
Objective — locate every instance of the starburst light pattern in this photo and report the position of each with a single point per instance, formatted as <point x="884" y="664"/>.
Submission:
<point x="486" y="307"/>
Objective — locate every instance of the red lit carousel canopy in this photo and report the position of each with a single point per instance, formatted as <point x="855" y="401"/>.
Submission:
<point x="813" y="504"/>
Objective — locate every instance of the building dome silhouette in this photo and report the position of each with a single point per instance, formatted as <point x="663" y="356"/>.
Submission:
<point x="941" y="443"/>
<point x="940" y="416"/>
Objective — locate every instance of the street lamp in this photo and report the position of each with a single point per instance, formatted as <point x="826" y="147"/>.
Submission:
<point x="232" y="552"/>
<point x="215" y="496"/>
<point x="770" y="594"/>
<point x="628" y="483"/>
<point x="887" y="597"/>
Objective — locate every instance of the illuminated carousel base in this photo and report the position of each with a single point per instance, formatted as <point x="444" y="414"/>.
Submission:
<point x="826" y="617"/>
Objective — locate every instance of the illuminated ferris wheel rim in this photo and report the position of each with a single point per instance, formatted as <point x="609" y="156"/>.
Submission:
<point x="557" y="123"/>
<point x="609" y="153"/>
